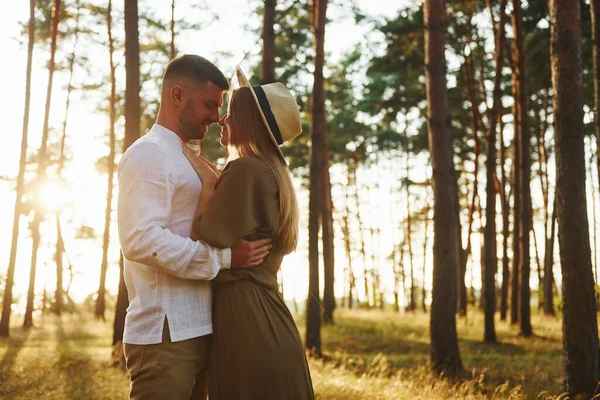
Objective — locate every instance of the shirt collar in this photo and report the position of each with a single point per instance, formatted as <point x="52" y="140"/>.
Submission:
<point x="165" y="132"/>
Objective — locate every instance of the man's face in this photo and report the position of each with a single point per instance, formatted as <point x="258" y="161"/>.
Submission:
<point x="224" y="130"/>
<point x="200" y="110"/>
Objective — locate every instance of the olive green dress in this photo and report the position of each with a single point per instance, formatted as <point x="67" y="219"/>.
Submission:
<point x="257" y="352"/>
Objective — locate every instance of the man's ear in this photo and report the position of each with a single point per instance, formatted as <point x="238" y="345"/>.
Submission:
<point x="176" y="94"/>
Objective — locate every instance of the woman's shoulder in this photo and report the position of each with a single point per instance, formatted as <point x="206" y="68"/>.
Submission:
<point x="249" y="167"/>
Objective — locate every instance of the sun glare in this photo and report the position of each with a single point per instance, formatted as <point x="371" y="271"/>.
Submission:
<point x="53" y="196"/>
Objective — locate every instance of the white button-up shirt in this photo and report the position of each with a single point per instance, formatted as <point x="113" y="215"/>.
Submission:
<point x="166" y="272"/>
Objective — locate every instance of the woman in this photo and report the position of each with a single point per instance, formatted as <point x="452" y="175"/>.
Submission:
<point x="257" y="352"/>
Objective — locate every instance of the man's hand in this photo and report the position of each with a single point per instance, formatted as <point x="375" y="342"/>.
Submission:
<point x="250" y="254"/>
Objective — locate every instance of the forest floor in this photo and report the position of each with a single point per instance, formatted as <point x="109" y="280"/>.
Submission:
<point x="370" y="355"/>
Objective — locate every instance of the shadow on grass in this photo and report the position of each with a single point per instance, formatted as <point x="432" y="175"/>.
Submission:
<point x="75" y="362"/>
<point x="14" y="344"/>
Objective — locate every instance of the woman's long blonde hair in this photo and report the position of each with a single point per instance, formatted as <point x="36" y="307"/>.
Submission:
<point x="248" y="135"/>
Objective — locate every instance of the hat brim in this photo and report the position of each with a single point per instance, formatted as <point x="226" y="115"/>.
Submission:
<point x="244" y="82"/>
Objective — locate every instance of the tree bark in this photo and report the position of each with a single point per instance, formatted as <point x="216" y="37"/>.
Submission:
<point x="490" y="245"/>
<point x="445" y="358"/>
<point x="100" y="301"/>
<point x="313" y="316"/>
<point x="580" y="328"/>
<point x="173" y="49"/>
<point x="132" y="133"/>
<point x="327" y="238"/>
<point x="18" y="210"/>
<point x="549" y="264"/>
<point x="516" y="190"/>
<point x="505" y="225"/>
<point x="424" y="273"/>
<point x="42" y="163"/>
<point x="268" y="40"/>
<point x="524" y="170"/>
<point x="595" y="17"/>
<point x="475" y="127"/>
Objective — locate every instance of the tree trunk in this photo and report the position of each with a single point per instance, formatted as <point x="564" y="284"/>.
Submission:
<point x="595" y="16"/>
<point x="490" y="246"/>
<point x="445" y="358"/>
<point x="42" y="162"/>
<point x="347" y="243"/>
<point x="475" y="118"/>
<point x="505" y="225"/>
<point x="10" y="273"/>
<point x="539" y="268"/>
<point x="132" y="133"/>
<point x="362" y="239"/>
<point x="173" y="50"/>
<point x="60" y="246"/>
<point x="580" y="328"/>
<point x="516" y="190"/>
<point x="117" y="357"/>
<point x="412" y="305"/>
<point x="424" y="273"/>
<point x="100" y="301"/>
<point x="549" y="264"/>
<point x="268" y="40"/>
<point x="313" y="315"/>
<point x="328" y="239"/>
<point x="524" y="170"/>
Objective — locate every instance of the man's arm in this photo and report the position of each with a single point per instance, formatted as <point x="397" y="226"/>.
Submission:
<point x="144" y="207"/>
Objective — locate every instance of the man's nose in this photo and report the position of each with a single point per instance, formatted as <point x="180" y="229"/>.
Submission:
<point x="215" y="116"/>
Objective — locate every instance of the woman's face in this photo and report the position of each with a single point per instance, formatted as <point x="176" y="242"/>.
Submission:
<point x="224" y="130"/>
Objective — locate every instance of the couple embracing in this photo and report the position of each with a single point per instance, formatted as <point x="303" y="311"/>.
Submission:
<point x="202" y="247"/>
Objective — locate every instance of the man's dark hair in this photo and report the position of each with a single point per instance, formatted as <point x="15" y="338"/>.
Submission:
<point x="197" y="68"/>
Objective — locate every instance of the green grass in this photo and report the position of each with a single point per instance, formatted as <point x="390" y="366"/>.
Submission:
<point x="370" y="355"/>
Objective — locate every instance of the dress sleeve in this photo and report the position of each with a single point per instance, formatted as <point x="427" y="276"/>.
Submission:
<point x="245" y="199"/>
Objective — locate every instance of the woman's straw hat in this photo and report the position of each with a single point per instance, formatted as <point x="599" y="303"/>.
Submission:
<point x="278" y="109"/>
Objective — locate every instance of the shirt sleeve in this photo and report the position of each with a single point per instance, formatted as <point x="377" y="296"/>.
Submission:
<point x="146" y="187"/>
<point x="245" y="199"/>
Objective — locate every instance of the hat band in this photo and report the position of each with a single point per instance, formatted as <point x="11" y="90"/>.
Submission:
<point x="266" y="109"/>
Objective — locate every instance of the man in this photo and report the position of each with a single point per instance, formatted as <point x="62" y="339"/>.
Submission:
<point x="169" y="321"/>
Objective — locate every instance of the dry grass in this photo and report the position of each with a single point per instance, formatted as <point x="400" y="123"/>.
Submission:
<point x="371" y="355"/>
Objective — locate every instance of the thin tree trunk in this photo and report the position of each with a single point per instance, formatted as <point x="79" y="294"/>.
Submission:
<point x="425" y="240"/>
<point x="362" y="240"/>
<point x="117" y="357"/>
<point x="59" y="294"/>
<point x="313" y="316"/>
<point x="580" y="328"/>
<point x="412" y="305"/>
<point x="516" y="190"/>
<point x="475" y="117"/>
<point x="539" y="269"/>
<point x="445" y="358"/>
<point x="525" y="179"/>
<point x="327" y="238"/>
<point x="549" y="265"/>
<point x="490" y="245"/>
<point x="268" y="40"/>
<point x="132" y="133"/>
<point x="18" y="210"/>
<point x="347" y="244"/>
<point x="173" y="50"/>
<point x="594" y="224"/>
<point x="100" y="301"/>
<point x="42" y="162"/>
<point x="595" y="17"/>
<point x="505" y="224"/>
